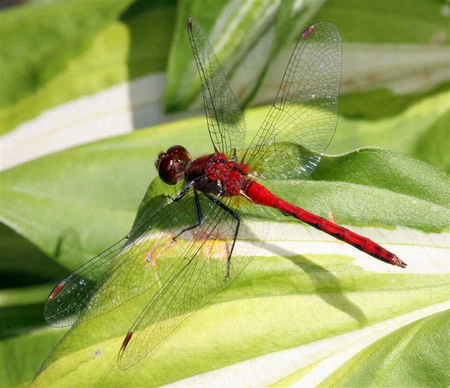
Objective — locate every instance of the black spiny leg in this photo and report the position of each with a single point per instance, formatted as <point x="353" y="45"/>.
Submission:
<point x="179" y="196"/>
<point x="199" y="213"/>
<point x="237" y="218"/>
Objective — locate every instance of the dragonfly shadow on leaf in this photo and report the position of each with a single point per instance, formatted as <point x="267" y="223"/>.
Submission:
<point x="327" y="286"/>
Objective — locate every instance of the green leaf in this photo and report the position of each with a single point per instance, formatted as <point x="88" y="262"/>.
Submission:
<point x="414" y="356"/>
<point x="421" y="131"/>
<point x="22" y="263"/>
<point x="396" y="20"/>
<point x="183" y="84"/>
<point x="24" y="296"/>
<point x="21" y="356"/>
<point x="279" y="304"/>
<point x="25" y="339"/>
<point x="242" y="38"/>
<point x="382" y="103"/>
<point x="432" y="146"/>
<point x="53" y="53"/>
<point x="21" y="309"/>
<point x="254" y="37"/>
<point x="85" y="198"/>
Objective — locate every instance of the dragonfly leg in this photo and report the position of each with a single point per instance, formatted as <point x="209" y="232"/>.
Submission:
<point x="179" y="196"/>
<point x="238" y="220"/>
<point x="199" y="214"/>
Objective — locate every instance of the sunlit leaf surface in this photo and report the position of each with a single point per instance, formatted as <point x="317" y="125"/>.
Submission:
<point x="305" y="284"/>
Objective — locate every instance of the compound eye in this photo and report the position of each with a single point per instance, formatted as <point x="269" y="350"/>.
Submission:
<point x="179" y="153"/>
<point x="165" y="165"/>
<point x="158" y="161"/>
<point x="166" y="170"/>
<point x="174" y="149"/>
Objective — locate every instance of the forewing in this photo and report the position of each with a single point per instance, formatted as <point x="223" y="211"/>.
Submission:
<point x="125" y="270"/>
<point x="302" y="121"/>
<point x="201" y="272"/>
<point x="224" y="117"/>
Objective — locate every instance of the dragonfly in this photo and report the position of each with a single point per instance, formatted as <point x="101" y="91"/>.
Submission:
<point x="188" y="246"/>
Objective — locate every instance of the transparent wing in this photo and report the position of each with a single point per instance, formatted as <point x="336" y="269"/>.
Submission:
<point x="302" y="121"/>
<point x="128" y="267"/>
<point x="200" y="273"/>
<point x="224" y="117"/>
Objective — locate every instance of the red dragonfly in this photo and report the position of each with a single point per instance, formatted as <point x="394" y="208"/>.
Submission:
<point x="187" y="247"/>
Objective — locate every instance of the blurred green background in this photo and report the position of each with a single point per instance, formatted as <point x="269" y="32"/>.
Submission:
<point x="75" y="72"/>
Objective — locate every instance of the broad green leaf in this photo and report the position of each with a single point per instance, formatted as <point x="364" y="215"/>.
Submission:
<point x="271" y="29"/>
<point x="317" y="296"/>
<point x="414" y="356"/>
<point x="21" y="356"/>
<point x="24" y="296"/>
<point x="421" y="131"/>
<point x="387" y="21"/>
<point x="21" y="309"/>
<point x="243" y="37"/>
<point x="73" y="226"/>
<point x="387" y="66"/>
<point x="25" y="339"/>
<point x="278" y="305"/>
<point x="32" y="33"/>
<point x="382" y="103"/>
<point x="86" y="198"/>
<point x="53" y="53"/>
<point x="138" y="45"/>
<point x="22" y="263"/>
<point x="432" y="146"/>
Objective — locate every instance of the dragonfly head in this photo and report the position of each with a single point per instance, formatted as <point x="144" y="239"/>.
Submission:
<point x="171" y="165"/>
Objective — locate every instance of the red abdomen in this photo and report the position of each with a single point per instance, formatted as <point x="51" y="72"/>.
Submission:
<point x="260" y="195"/>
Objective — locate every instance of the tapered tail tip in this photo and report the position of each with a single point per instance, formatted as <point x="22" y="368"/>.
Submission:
<point x="399" y="263"/>
<point x="189" y="24"/>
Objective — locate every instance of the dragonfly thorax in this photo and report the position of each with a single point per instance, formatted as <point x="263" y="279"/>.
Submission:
<point x="216" y="174"/>
<point x="228" y="174"/>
